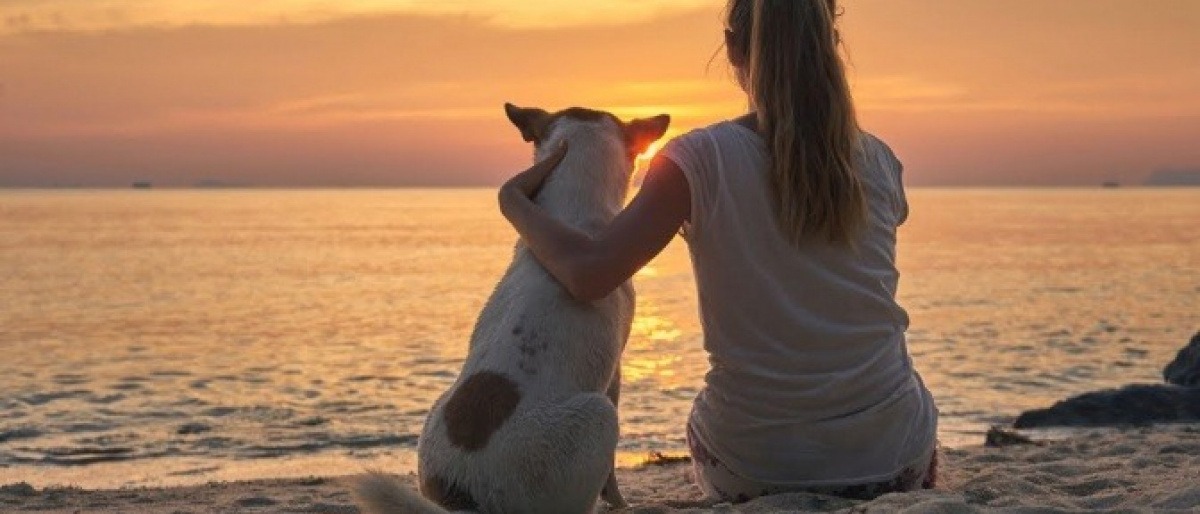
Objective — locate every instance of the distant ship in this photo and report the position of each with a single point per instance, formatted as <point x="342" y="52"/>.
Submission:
<point x="142" y="185"/>
<point x="1112" y="184"/>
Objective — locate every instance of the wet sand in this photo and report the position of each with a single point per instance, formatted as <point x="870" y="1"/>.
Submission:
<point x="1137" y="470"/>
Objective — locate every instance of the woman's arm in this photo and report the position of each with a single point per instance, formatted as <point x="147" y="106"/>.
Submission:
<point x="592" y="267"/>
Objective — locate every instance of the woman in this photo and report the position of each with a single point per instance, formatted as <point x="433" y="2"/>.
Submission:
<point x="790" y="213"/>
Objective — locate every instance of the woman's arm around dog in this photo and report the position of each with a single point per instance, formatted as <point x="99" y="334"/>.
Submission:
<point x="591" y="267"/>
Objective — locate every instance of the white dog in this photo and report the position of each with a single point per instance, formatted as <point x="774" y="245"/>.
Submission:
<point x="530" y="426"/>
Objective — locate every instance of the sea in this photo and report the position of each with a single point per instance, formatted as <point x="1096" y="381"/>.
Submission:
<point x="171" y="337"/>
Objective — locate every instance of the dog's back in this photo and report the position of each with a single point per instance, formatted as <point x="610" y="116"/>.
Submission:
<point x="530" y="425"/>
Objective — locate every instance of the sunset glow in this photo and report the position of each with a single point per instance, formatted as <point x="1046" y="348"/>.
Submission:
<point x="642" y="163"/>
<point x="99" y="15"/>
<point x="406" y="92"/>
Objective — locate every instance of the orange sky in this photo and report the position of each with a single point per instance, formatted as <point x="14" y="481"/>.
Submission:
<point x="409" y="92"/>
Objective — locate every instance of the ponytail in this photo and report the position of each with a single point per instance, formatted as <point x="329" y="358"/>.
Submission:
<point x="797" y="84"/>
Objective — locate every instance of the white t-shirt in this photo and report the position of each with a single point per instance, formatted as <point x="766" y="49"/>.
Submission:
<point x="810" y="382"/>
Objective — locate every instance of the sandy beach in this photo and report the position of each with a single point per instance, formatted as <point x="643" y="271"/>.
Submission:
<point x="1136" y="470"/>
<point x="254" y="250"/>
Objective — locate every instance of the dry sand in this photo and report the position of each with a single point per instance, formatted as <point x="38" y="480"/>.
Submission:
<point x="1140" y="470"/>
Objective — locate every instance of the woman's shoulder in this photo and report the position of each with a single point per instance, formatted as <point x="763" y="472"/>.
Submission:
<point x="707" y="144"/>
<point x="874" y="146"/>
<point x="698" y="139"/>
<point x="870" y="140"/>
<point x="718" y="130"/>
<point x="728" y="135"/>
<point x="698" y="133"/>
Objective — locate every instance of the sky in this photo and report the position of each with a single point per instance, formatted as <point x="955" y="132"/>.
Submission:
<point x="316" y="93"/>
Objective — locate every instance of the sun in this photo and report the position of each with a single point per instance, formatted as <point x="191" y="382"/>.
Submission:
<point x="651" y="151"/>
<point x="642" y="162"/>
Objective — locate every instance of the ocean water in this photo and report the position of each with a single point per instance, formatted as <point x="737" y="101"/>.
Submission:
<point x="175" y="337"/>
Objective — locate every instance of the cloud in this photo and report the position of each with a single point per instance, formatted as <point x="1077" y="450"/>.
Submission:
<point x="386" y="67"/>
<point x="374" y="100"/>
<point x="1143" y="95"/>
<point x="100" y="15"/>
<point x="415" y="98"/>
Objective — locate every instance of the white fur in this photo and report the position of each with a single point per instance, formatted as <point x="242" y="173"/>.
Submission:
<point x="555" y="452"/>
<point x="377" y="492"/>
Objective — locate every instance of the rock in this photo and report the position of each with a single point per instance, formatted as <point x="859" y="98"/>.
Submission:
<point x="19" y="433"/>
<point x="193" y="428"/>
<point x="661" y="459"/>
<point x="257" y="501"/>
<point x="18" y="489"/>
<point x="998" y="438"/>
<point x="1185" y="369"/>
<point x="1139" y="404"/>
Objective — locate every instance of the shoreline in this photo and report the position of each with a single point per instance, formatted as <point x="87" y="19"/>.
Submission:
<point x="1144" y="469"/>
<point x="189" y="471"/>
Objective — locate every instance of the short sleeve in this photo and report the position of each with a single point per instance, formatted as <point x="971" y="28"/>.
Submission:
<point x="896" y="172"/>
<point x="695" y="154"/>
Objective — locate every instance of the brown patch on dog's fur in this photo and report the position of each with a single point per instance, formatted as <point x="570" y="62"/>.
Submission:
<point x="447" y="495"/>
<point x="478" y="408"/>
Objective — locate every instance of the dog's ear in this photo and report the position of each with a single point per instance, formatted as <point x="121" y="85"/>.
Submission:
<point x="531" y="121"/>
<point x="641" y="133"/>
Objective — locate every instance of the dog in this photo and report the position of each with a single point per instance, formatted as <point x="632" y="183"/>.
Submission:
<point x="530" y="425"/>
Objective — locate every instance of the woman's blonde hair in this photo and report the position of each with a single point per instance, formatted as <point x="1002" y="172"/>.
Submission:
<point x="797" y="83"/>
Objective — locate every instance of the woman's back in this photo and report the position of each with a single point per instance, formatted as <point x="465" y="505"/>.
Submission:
<point x="811" y="381"/>
<point x="793" y="241"/>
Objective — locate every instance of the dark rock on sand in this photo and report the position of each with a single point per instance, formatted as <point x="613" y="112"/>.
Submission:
<point x="19" y="433"/>
<point x="257" y="501"/>
<point x="1185" y="369"/>
<point x="998" y="438"/>
<point x="19" y="489"/>
<point x="193" y="428"/>
<point x="1139" y="404"/>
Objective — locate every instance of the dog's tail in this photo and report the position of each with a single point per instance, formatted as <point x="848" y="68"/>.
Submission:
<point x="377" y="493"/>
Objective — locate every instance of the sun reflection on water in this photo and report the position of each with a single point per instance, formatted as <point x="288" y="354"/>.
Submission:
<point x="644" y="359"/>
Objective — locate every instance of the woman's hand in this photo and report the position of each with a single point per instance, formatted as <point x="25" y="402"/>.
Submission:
<point x="530" y="181"/>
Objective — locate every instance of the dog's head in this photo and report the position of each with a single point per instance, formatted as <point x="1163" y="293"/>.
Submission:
<point x="635" y="137"/>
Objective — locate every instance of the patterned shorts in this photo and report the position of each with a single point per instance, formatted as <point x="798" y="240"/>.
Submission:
<point x="721" y="483"/>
